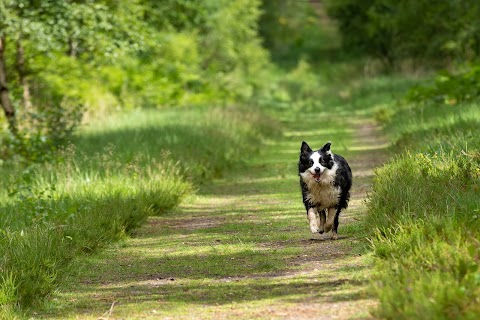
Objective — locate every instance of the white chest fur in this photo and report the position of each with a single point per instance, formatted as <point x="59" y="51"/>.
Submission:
<point x="323" y="193"/>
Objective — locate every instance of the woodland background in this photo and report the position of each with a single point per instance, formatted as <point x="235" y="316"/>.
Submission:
<point x="118" y="109"/>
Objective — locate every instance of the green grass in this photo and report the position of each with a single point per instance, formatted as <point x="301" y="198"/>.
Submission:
<point x="117" y="172"/>
<point x="425" y="207"/>
<point x="201" y="141"/>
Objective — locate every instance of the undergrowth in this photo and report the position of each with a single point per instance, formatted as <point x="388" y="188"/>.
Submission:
<point x="424" y="212"/>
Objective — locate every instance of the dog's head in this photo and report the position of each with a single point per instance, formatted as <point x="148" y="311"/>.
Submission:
<point x="314" y="163"/>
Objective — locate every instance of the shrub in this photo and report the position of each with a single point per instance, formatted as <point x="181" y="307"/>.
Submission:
<point x="396" y="30"/>
<point x="291" y="30"/>
<point x="449" y="88"/>
<point x="41" y="134"/>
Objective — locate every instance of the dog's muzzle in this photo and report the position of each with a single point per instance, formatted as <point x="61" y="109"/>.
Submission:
<point x="317" y="176"/>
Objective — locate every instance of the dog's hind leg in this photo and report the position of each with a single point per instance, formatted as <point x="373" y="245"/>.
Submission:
<point x="342" y="204"/>
<point x="330" y="219"/>
<point x="322" y="217"/>
<point x="335" y="225"/>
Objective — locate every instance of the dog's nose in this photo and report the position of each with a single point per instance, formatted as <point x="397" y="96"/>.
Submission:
<point x="317" y="170"/>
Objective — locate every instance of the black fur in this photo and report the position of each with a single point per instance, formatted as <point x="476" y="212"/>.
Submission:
<point x="342" y="180"/>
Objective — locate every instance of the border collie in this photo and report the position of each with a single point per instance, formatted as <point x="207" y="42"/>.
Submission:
<point x="325" y="179"/>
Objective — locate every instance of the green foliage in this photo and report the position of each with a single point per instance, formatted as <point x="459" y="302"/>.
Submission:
<point x="429" y="269"/>
<point x="105" y="56"/>
<point x="31" y="258"/>
<point x="396" y="30"/>
<point x="359" y="31"/>
<point x="216" y="138"/>
<point x="293" y="30"/>
<point x="109" y="55"/>
<point x="431" y="174"/>
<point x="449" y="88"/>
<point x="8" y="297"/>
<point x="42" y="133"/>
<point x="8" y="290"/>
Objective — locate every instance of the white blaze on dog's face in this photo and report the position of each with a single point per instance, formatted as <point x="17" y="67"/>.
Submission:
<point x="318" y="162"/>
<point x="316" y="169"/>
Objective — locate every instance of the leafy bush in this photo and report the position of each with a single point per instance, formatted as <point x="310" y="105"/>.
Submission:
<point x="449" y="88"/>
<point x="41" y="134"/>
<point x="292" y="30"/>
<point x="423" y="30"/>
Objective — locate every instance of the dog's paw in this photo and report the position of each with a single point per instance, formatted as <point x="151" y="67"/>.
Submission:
<point x="334" y="235"/>
<point x="321" y="230"/>
<point x="314" y="229"/>
<point x="328" y="227"/>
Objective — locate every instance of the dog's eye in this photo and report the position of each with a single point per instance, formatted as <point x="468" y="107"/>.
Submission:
<point x="310" y="162"/>
<point x="325" y="161"/>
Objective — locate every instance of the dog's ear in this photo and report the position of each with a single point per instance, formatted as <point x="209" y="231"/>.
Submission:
<point x="326" y="147"/>
<point x="305" y="148"/>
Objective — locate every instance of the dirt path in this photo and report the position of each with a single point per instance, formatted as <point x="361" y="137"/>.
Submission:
<point x="241" y="249"/>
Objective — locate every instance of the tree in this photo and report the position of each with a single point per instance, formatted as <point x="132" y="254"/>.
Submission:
<point x="433" y="31"/>
<point x="44" y="27"/>
<point x="4" y="85"/>
<point x="4" y="91"/>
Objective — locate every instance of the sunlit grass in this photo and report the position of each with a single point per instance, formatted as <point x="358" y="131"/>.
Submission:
<point x="425" y="205"/>
<point x="106" y="184"/>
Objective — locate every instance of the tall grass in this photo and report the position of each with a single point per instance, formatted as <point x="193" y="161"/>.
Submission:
<point x="205" y="142"/>
<point x="117" y="172"/>
<point x="424" y="213"/>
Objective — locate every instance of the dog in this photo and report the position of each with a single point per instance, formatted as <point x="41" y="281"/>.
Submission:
<point x="325" y="180"/>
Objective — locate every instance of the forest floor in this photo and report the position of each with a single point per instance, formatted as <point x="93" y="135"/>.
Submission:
<point x="241" y="247"/>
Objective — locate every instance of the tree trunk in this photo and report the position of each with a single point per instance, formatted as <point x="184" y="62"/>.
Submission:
<point x="27" y="103"/>
<point x="72" y="47"/>
<point x="4" y="97"/>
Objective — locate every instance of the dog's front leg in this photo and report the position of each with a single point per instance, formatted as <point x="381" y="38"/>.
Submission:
<point x="312" y="219"/>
